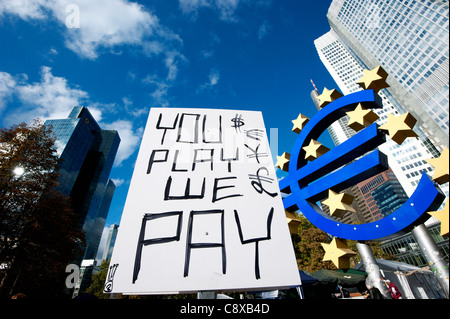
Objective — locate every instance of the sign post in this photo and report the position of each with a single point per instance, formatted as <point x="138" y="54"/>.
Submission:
<point x="204" y="211"/>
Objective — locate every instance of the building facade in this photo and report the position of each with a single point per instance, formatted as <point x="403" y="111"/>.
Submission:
<point x="87" y="154"/>
<point x="408" y="251"/>
<point x="410" y="40"/>
<point x="382" y="194"/>
<point x="407" y="160"/>
<point x="110" y="241"/>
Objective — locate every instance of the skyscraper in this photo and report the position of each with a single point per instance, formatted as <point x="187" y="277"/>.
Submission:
<point x="410" y="40"/>
<point x="87" y="154"/>
<point x="382" y="194"/>
<point x="109" y="247"/>
<point x="407" y="160"/>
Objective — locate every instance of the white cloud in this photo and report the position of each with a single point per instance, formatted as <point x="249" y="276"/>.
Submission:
<point x="25" y="9"/>
<point x="225" y="8"/>
<point x="53" y="98"/>
<point x="263" y="29"/>
<point x="133" y="110"/>
<point x="118" y="181"/>
<point x="161" y="88"/>
<point x="129" y="138"/>
<point x="103" y="24"/>
<point x="7" y="85"/>
<point x="213" y="79"/>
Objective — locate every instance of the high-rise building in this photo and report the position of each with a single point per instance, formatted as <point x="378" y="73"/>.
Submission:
<point x="407" y="160"/>
<point x="87" y="154"/>
<point x="410" y="40"/>
<point x="382" y="194"/>
<point x="110" y="241"/>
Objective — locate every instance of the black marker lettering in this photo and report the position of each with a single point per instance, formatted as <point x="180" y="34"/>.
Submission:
<point x="189" y="132"/>
<point x="175" y="158"/>
<point x="257" y="182"/>
<point x="187" y="192"/>
<point x="190" y="245"/>
<point x="205" y="132"/>
<point x="153" y="160"/>
<point x="255" y="153"/>
<point x="254" y="240"/>
<point x="202" y="160"/>
<point x="217" y="188"/>
<point x="236" y="158"/>
<point x="145" y="242"/>
<point x="159" y="127"/>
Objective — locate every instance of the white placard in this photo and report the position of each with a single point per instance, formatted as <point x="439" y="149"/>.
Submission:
<point x="204" y="211"/>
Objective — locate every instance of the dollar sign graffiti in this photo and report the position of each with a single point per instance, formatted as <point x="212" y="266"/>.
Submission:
<point x="237" y="122"/>
<point x="308" y="184"/>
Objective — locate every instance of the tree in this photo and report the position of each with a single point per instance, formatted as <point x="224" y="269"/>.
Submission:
<point x="39" y="233"/>
<point x="309" y="251"/>
<point x="98" y="281"/>
<point x="308" y="248"/>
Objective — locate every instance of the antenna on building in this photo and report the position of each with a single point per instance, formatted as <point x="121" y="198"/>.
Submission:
<point x="314" y="85"/>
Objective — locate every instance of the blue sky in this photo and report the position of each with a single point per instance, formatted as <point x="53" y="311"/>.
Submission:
<point x="119" y="58"/>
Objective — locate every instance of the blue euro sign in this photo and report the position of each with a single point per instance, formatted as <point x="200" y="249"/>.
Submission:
<point x="308" y="183"/>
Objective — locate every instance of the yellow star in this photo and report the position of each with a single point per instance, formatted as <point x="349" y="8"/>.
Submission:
<point x="328" y="96"/>
<point x="299" y="123"/>
<point x="293" y="222"/>
<point x="339" y="203"/>
<point x="283" y="161"/>
<point x="399" y="127"/>
<point x="361" y="118"/>
<point x="441" y="167"/>
<point x="338" y="252"/>
<point x="442" y="215"/>
<point x="314" y="150"/>
<point x="374" y="79"/>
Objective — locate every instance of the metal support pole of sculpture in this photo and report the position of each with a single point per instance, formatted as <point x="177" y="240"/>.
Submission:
<point x="432" y="254"/>
<point x="372" y="269"/>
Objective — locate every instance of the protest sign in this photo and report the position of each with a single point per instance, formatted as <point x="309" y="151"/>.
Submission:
<point x="204" y="211"/>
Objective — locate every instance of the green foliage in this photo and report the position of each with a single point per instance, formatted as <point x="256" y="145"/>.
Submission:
<point x="309" y="251"/>
<point x="98" y="281"/>
<point x="308" y="248"/>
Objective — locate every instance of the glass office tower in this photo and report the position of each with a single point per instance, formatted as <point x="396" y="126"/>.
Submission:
<point x="410" y="40"/>
<point x="87" y="154"/>
<point x="407" y="161"/>
<point x="110" y="241"/>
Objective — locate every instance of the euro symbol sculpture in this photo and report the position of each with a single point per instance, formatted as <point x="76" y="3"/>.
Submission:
<point x="351" y="162"/>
